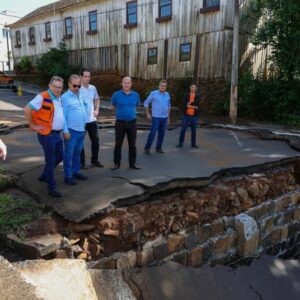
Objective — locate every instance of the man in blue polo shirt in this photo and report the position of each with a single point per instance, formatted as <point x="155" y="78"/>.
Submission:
<point x="161" y="105"/>
<point x="75" y="111"/>
<point x="124" y="103"/>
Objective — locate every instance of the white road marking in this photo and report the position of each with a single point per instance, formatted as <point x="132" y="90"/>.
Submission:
<point x="237" y="139"/>
<point x="269" y="155"/>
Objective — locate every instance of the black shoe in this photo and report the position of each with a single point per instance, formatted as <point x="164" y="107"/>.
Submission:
<point x="55" y="194"/>
<point x="115" y="167"/>
<point x="160" y="150"/>
<point x="179" y="146"/>
<point x="70" y="181"/>
<point x="42" y="179"/>
<point x="80" y="176"/>
<point x="147" y="151"/>
<point x="195" y="146"/>
<point x="97" y="164"/>
<point x="84" y="167"/>
<point x="135" y="166"/>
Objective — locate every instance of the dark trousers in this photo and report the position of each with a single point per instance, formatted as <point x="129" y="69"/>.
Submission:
<point x="53" y="150"/>
<point x="92" y="130"/>
<point x="121" y="129"/>
<point x="159" y="125"/>
<point x="186" y="122"/>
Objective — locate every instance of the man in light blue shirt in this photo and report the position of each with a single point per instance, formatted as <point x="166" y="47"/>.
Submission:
<point x="75" y="111"/>
<point x="161" y="105"/>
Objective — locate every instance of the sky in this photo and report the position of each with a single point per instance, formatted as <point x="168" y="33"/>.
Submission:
<point x="21" y="8"/>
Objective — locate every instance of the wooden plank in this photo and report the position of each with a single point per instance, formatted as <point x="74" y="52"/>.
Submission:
<point x="197" y="57"/>
<point x="166" y="50"/>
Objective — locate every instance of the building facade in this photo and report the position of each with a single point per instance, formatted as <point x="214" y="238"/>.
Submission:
<point x="6" y="61"/>
<point x="147" y="39"/>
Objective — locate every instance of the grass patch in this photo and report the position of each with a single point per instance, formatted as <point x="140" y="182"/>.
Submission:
<point x="16" y="213"/>
<point x="6" y="180"/>
<point x="2" y="170"/>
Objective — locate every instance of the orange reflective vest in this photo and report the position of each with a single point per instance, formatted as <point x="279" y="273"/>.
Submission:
<point x="190" y="111"/>
<point x="44" y="116"/>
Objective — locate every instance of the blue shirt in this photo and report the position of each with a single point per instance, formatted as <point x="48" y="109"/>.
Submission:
<point x="125" y="105"/>
<point x="160" y="104"/>
<point x="75" y="110"/>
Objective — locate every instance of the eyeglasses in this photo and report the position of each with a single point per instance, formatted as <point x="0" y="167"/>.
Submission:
<point x="57" y="87"/>
<point x="76" y="86"/>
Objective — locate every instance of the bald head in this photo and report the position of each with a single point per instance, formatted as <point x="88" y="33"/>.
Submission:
<point x="74" y="83"/>
<point x="126" y="84"/>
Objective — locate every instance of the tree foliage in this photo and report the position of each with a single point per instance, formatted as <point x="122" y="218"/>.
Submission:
<point x="24" y="65"/>
<point x="55" y="62"/>
<point x="277" y="97"/>
<point x="280" y="29"/>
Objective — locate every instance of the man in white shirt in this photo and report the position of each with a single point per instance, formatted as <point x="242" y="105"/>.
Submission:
<point x="45" y="116"/>
<point x="90" y="96"/>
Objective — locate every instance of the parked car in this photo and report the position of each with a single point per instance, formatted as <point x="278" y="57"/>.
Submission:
<point x="6" y="80"/>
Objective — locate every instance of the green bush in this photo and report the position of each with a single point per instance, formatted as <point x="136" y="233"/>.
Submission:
<point x="24" y="65"/>
<point x="275" y="98"/>
<point x="55" y="62"/>
<point x="272" y="99"/>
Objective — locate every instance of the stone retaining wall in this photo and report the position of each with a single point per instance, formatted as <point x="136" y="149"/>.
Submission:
<point x="272" y="227"/>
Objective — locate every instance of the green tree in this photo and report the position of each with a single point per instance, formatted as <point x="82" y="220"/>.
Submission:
<point x="25" y="65"/>
<point x="55" y="62"/>
<point x="280" y="29"/>
<point x="275" y="98"/>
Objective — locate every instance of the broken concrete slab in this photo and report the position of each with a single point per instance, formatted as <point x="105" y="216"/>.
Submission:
<point x="219" y="150"/>
<point x="37" y="246"/>
<point x="87" y="198"/>
<point x="110" y="285"/>
<point x="58" y="279"/>
<point x="266" y="278"/>
<point x="12" y="285"/>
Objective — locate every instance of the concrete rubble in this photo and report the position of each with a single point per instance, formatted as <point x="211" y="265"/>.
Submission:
<point x="37" y="246"/>
<point x="266" y="278"/>
<point x="60" y="279"/>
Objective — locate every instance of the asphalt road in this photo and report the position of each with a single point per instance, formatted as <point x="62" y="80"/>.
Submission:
<point x="219" y="149"/>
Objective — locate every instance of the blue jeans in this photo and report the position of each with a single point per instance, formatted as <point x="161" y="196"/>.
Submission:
<point x="186" y="121"/>
<point x="73" y="148"/>
<point x="53" y="150"/>
<point x="160" y="125"/>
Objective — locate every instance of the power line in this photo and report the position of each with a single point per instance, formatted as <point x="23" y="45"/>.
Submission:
<point x="9" y="15"/>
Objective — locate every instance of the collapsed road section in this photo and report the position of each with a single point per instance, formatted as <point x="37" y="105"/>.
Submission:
<point x="233" y="217"/>
<point x="234" y="199"/>
<point x="219" y="151"/>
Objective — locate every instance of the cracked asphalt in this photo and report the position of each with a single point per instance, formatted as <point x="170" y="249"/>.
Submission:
<point x="219" y="149"/>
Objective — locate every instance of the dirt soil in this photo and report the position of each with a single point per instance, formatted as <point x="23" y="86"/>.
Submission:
<point x="127" y="228"/>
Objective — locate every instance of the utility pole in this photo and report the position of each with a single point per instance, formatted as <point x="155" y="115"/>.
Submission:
<point x="8" y="51"/>
<point x="235" y="64"/>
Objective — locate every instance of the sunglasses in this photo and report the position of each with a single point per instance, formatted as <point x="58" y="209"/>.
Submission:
<point x="76" y="86"/>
